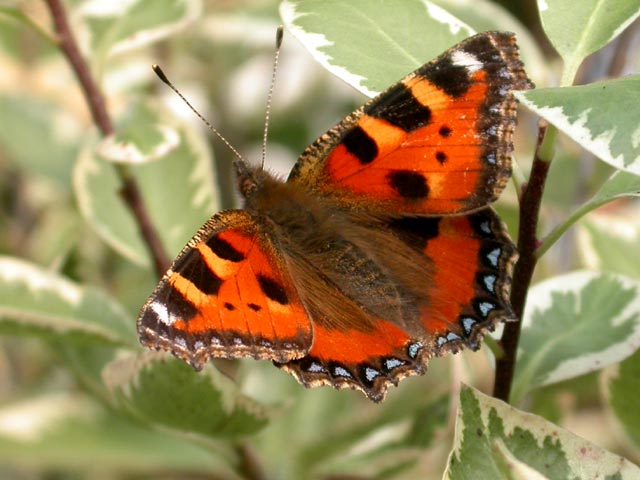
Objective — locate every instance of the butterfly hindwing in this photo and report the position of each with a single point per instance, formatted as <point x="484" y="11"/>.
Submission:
<point x="437" y="142"/>
<point x="227" y="295"/>
<point x="472" y="259"/>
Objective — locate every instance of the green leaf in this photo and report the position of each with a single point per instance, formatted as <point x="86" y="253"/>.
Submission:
<point x="167" y="392"/>
<point x="619" y="185"/>
<point x="177" y="189"/>
<point x="115" y="27"/>
<point x="577" y="29"/>
<point x="606" y="242"/>
<point x="494" y="440"/>
<point x="372" y="44"/>
<point x="37" y="302"/>
<point x="68" y="432"/>
<point x="38" y="136"/>
<point x="385" y="443"/>
<point x="623" y="388"/>
<point x="575" y="324"/>
<point x="592" y="115"/>
<point x="141" y="136"/>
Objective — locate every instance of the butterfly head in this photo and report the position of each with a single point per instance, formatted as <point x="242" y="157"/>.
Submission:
<point x="250" y="178"/>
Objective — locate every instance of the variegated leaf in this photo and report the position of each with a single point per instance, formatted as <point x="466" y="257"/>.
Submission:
<point x="371" y="45"/>
<point x="577" y="29"/>
<point x="494" y="440"/>
<point x="576" y="324"/>
<point x="177" y="186"/>
<point x="38" y="302"/>
<point x="595" y="116"/>
<point x="166" y="392"/>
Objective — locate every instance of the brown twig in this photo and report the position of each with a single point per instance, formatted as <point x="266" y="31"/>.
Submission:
<point x="96" y="102"/>
<point x="530" y="202"/>
<point x="250" y="468"/>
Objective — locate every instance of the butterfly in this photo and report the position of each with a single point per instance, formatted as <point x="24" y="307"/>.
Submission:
<point x="377" y="253"/>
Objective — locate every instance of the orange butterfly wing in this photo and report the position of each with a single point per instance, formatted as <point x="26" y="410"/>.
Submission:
<point x="227" y="295"/>
<point x="473" y="259"/>
<point x="437" y="142"/>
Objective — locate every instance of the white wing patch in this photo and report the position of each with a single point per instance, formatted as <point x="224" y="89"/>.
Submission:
<point x="467" y="60"/>
<point x="163" y="314"/>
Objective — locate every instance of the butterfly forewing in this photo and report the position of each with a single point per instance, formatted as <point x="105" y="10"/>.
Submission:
<point x="227" y="295"/>
<point x="438" y="142"/>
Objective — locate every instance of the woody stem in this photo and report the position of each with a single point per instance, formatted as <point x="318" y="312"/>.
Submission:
<point x="130" y="191"/>
<point x="530" y="202"/>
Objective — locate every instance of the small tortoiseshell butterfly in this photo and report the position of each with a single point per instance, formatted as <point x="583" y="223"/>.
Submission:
<point x="377" y="253"/>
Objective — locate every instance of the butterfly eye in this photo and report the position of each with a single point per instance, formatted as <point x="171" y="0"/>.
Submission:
<point x="247" y="186"/>
<point x="247" y="181"/>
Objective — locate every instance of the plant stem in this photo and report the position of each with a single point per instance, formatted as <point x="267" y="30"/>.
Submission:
<point x="250" y="468"/>
<point x="97" y="105"/>
<point x="523" y="272"/>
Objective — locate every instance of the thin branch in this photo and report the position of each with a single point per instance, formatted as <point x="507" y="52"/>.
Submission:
<point x="97" y="105"/>
<point x="250" y="467"/>
<point x="69" y="47"/>
<point x="527" y="244"/>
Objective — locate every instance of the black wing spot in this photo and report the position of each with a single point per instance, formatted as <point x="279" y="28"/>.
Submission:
<point x="224" y="249"/>
<point x="444" y="131"/>
<point x="454" y="80"/>
<point x="441" y="157"/>
<point x="229" y="306"/>
<point x="254" y="307"/>
<point x="361" y="145"/>
<point x="400" y="108"/>
<point x="273" y="290"/>
<point x="416" y="231"/>
<point x="193" y="268"/>
<point x="177" y="304"/>
<point x="409" y="184"/>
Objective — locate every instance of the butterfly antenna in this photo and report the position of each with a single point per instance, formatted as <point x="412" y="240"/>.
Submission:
<point x="276" y="56"/>
<point x="158" y="71"/>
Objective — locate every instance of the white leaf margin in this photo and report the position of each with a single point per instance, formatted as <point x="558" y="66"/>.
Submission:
<point x="540" y="299"/>
<point x="315" y="41"/>
<point x="199" y="181"/>
<point x="585" y="459"/>
<point x="29" y="420"/>
<point x="37" y="280"/>
<point x="514" y="467"/>
<point x="128" y="152"/>
<point x="99" y="8"/>
<point x="580" y="133"/>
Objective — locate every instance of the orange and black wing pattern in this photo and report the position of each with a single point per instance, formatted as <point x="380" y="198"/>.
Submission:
<point x="438" y="142"/>
<point x="420" y="163"/>
<point x="472" y="259"/>
<point x="227" y="295"/>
